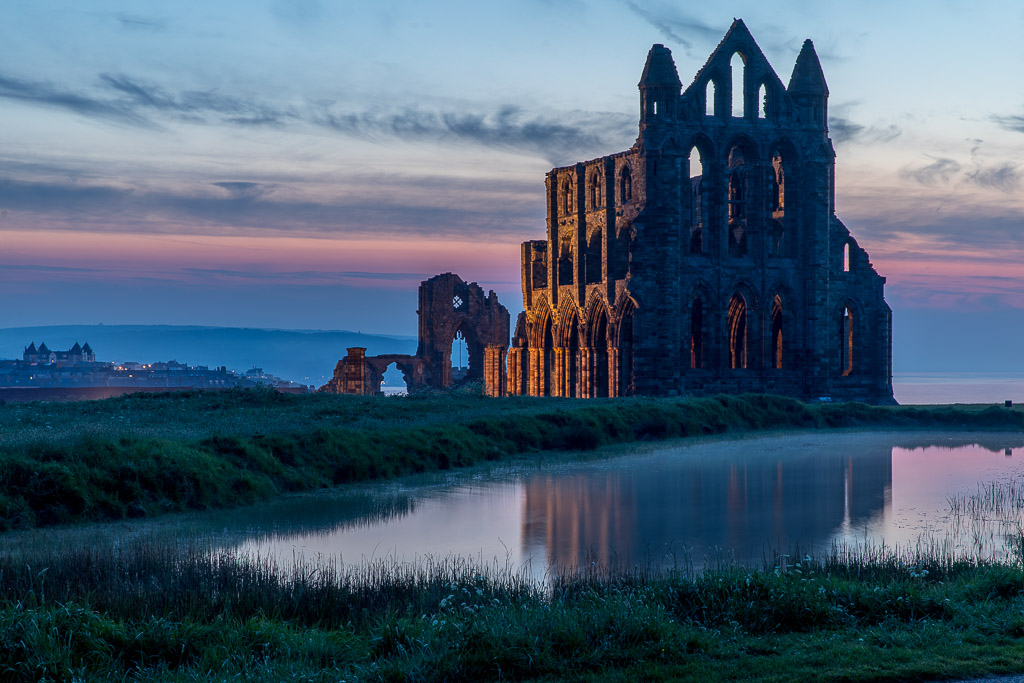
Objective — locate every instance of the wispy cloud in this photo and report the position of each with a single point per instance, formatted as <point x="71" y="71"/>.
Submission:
<point x="1004" y="177"/>
<point x="558" y="137"/>
<point x="675" y="25"/>
<point x="562" y="140"/>
<point x="844" y="130"/>
<point x="138" y="22"/>
<point x="251" y="208"/>
<point x="305" y="275"/>
<point x="53" y="96"/>
<point x="245" y="189"/>
<point x="1014" y="122"/>
<point x="940" y="170"/>
<point x="191" y="104"/>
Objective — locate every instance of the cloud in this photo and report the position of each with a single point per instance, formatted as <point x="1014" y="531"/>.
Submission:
<point x="193" y="103"/>
<point x="558" y="137"/>
<point x="941" y="170"/>
<point x="674" y="25"/>
<point x="1005" y="177"/>
<point x="563" y="140"/>
<point x="244" y="189"/>
<point x="306" y="275"/>
<point x="844" y="130"/>
<point x="48" y="95"/>
<point x="1014" y="123"/>
<point x="469" y="211"/>
<point x="48" y="269"/>
<point x="137" y="22"/>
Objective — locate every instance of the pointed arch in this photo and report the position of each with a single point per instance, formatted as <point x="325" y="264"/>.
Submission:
<point x="762" y="101"/>
<point x="738" y="67"/>
<point x="710" y="91"/>
<point x="567" y="196"/>
<point x="542" y="343"/>
<point x="625" y="184"/>
<point x="737" y="331"/>
<point x="597" y="344"/>
<point x="698" y="347"/>
<point x="569" y="341"/>
<point x="624" y="335"/>
<point x="848" y="316"/>
<point x="594" y="189"/>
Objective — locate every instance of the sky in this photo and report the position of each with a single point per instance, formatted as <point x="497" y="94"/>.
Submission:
<point x="306" y="163"/>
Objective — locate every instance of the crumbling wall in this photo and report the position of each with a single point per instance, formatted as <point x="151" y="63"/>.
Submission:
<point x="448" y="305"/>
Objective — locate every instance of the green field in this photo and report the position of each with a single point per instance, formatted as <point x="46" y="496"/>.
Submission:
<point x="150" y="609"/>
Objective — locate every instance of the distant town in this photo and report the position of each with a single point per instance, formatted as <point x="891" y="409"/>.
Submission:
<point x="43" y="373"/>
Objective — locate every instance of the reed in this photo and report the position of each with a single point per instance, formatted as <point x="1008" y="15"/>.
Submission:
<point x="165" y="610"/>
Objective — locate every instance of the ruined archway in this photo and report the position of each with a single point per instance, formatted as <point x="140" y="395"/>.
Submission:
<point x="598" y="329"/>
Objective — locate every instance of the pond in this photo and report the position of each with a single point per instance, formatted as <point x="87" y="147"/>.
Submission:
<point x="676" y="505"/>
<point x="733" y="500"/>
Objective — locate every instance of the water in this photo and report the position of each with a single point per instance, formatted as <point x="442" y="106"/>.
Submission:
<point x="737" y="500"/>
<point x="924" y="388"/>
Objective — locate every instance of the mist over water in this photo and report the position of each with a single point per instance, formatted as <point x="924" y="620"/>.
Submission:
<point x="673" y="507"/>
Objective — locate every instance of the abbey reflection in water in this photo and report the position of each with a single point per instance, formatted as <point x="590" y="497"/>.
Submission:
<point x="695" y="505"/>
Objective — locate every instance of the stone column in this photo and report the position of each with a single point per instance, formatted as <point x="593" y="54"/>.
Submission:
<point x="535" y="371"/>
<point x="355" y="371"/>
<point x="558" y="376"/>
<point x="494" y="370"/>
<point x="613" y="371"/>
<point x="586" y="385"/>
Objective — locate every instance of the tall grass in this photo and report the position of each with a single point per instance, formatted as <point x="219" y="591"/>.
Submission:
<point x="152" y="610"/>
<point x="147" y="454"/>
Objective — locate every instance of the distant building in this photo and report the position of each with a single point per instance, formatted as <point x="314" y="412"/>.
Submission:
<point x="42" y="355"/>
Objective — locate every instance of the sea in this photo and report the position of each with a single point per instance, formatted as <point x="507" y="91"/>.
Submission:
<point x="925" y="388"/>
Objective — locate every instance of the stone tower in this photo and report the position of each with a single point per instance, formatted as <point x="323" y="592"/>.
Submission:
<point x="708" y="257"/>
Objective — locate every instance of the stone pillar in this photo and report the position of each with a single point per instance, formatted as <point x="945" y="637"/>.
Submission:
<point x="514" y="372"/>
<point x="586" y="385"/>
<point x="535" y="370"/>
<point x="558" y="378"/>
<point x="494" y="370"/>
<point x="613" y="371"/>
<point x="354" y="381"/>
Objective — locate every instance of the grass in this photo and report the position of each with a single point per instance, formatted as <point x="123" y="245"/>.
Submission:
<point x="147" y="454"/>
<point x="169" y="612"/>
<point x="145" y="609"/>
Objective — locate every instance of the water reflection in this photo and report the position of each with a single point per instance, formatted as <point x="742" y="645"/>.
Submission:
<point x="738" y="500"/>
<point x="694" y="507"/>
<point x="735" y="499"/>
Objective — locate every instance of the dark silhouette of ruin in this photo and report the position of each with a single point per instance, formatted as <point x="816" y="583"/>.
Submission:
<point x="659" y="277"/>
<point x="705" y="259"/>
<point x="449" y="306"/>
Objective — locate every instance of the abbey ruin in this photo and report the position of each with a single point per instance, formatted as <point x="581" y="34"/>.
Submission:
<point x="705" y="259"/>
<point x="708" y="257"/>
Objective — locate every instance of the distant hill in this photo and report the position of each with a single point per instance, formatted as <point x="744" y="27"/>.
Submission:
<point x="305" y="356"/>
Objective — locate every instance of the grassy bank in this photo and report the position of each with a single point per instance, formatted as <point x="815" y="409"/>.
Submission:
<point x="162" y="612"/>
<point x="144" y="455"/>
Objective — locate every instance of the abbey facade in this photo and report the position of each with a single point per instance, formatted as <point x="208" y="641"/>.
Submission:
<point x="708" y="257"/>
